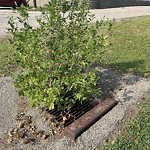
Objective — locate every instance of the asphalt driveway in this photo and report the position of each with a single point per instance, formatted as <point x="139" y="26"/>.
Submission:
<point x="117" y="13"/>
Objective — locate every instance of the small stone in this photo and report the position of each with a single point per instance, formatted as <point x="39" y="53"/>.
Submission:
<point x="55" y="132"/>
<point x="27" y="126"/>
<point x="15" y="135"/>
<point x="10" y="133"/>
<point x="40" y="133"/>
<point x="20" y="125"/>
<point x="46" y="118"/>
<point x="9" y="140"/>
<point x="54" y="125"/>
<point x="34" y="132"/>
<point x="21" y="134"/>
<point x="18" y="134"/>
<point x="28" y="119"/>
<point x="45" y="136"/>
<point x="33" y="127"/>
<point x="27" y="140"/>
<point x="51" y="131"/>
<point x="60" y="128"/>
<point x="19" y="115"/>
<point x="15" y="130"/>
<point x="52" y="119"/>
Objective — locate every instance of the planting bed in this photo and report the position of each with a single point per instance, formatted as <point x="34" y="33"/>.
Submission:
<point x="126" y="89"/>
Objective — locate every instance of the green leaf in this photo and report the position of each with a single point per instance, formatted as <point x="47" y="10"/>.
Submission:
<point x="51" y="107"/>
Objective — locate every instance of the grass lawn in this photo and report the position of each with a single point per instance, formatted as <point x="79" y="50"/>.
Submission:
<point x="6" y="56"/>
<point x="135" y="136"/>
<point x="130" y="46"/>
<point x="129" y="52"/>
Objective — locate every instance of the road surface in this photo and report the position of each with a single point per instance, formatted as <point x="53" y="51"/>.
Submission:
<point x="117" y="13"/>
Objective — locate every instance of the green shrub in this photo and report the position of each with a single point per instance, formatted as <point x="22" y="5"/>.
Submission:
<point x="56" y="57"/>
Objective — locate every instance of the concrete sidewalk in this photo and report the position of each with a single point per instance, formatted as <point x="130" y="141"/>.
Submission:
<point x="121" y="13"/>
<point x="112" y="13"/>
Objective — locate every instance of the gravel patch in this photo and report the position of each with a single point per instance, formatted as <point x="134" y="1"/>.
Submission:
<point x="8" y="106"/>
<point x="127" y="89"/>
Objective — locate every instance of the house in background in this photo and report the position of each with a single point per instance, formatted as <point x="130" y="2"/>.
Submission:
<point x="96" y="4"/>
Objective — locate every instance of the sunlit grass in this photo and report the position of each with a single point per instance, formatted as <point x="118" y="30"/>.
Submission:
<point x="130" y="46"/>
<point x="135" y="136"/>
<point x="6" y="56"/>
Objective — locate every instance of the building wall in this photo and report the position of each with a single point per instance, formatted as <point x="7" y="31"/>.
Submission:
<point x="105" y="3"/>
<point x="118" y="3"/>
<point x="39" y="2"/>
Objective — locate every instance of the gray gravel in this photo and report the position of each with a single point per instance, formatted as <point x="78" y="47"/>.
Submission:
<point x="127" y="89"/>
<point x="8" y="106"/>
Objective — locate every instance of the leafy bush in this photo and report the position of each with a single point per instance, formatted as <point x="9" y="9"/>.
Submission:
<point x="56" y="57"/>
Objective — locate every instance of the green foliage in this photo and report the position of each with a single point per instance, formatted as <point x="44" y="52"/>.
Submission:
<point x="56" y="57"/>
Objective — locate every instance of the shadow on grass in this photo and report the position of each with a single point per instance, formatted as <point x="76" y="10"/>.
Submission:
<point x="129" y="67"/>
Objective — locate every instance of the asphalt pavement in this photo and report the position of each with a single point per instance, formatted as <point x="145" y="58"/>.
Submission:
<point x="111" y="13"/>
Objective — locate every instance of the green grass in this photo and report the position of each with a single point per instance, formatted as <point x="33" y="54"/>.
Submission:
<point x="130" y="46"/>
<point x="6" y="56"/>
<point x="136" y="135"/>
